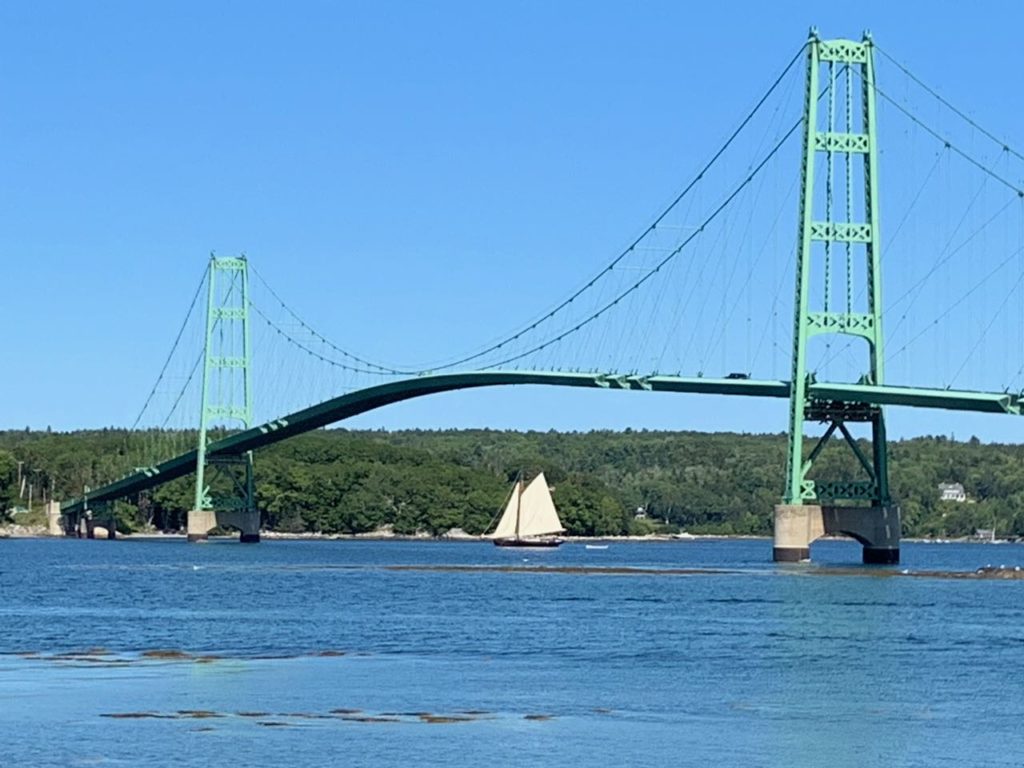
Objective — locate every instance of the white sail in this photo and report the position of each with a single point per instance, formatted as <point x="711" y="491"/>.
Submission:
<point x="507" y="524"/>
<point x="537" y="515"/>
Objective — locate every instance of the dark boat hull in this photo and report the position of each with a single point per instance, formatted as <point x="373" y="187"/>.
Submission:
<point x="533" y="543"/>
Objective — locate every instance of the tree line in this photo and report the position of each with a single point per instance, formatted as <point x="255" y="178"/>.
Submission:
<point x="340" y="481"/>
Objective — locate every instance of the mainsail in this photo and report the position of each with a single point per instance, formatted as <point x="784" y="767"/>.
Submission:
<point x="529" y="512"/>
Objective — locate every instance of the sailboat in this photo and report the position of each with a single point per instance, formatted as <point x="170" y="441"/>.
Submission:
<point x="529" y="518"/>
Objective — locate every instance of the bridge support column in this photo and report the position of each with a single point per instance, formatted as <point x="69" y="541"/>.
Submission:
<point x="54" y="526"/>
<point x="796" y="526"/>
<point x="878" y="529"/>
<point x="247" y="521"/>
<point x="227" y="394"/>
<point x="202" y="521"/>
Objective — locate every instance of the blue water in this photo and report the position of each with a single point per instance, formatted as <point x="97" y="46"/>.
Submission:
<point x="751" y="665"/>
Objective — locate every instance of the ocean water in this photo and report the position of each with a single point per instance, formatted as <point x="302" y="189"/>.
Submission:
<point x="379" y="654"/>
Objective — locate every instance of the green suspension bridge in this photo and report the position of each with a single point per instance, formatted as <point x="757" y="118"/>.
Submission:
<point x="704" y="281"/>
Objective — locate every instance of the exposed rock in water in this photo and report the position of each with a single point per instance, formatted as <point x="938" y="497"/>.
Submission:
<point x="166" y="653"/>
<point x="1000" y="572"/>
<point x="457" y="534"/>
<point x="439" y="719"/>
<point x="136" y="715"/>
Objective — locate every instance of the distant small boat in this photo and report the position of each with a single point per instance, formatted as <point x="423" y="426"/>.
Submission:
<point x="597" y="546"/>
<point x="529" y="518"/>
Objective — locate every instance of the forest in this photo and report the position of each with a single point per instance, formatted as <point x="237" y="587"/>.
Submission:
<point x="428" y="482"/>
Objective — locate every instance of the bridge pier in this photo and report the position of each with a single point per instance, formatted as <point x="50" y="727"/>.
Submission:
<point x="54" y="526"/>
<point x="202" y="521"/>
<point x="878" y="529"/>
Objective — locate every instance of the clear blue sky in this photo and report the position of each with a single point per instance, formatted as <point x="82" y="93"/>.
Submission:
<point x="386" y="164"/>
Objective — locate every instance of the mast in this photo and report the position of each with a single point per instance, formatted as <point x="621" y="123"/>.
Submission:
<point x="519" y="500"/>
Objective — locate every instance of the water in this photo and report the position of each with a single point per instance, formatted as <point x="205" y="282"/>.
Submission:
<point x="757" y="665"/>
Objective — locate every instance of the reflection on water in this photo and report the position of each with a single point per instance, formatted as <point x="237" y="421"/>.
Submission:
<point x="403" y="653"/>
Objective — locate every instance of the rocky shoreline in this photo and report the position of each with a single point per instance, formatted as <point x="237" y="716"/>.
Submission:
<point x="15" y="531"/>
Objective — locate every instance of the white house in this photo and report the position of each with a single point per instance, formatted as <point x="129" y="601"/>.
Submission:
<point x="952" y="492"/>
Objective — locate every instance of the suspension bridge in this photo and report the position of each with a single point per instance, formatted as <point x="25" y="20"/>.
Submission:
<point x="701" y="287"/>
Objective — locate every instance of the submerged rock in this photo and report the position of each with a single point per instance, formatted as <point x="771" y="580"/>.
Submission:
<point x="166" y="654"/>
<point x="1000" y="572"/>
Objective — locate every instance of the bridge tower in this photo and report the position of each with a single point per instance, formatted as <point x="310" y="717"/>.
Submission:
<point x="838" y="247"/>
<point x="225" y="495"/>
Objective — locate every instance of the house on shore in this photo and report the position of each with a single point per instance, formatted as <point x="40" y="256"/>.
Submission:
<point x="952" y="492"/>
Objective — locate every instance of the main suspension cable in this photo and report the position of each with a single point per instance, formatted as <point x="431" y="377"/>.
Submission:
<point x="410" y="371"/>
<point x="653" y="226"/>
<point x="657" y="268"/>
<point x="380" y="369"/>
<point x="959" y="113"/>
<point x="174" y="346"/>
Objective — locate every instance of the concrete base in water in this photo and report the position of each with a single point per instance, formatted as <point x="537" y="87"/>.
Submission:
<point x="797" y="525"/>
<point x="881" y="556"/>
<point x="202" y="521"/>
<point x="791" y="554"/>
<point x="54" y="524"/>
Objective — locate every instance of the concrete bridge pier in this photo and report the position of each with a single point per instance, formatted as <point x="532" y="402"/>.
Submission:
<point x="202" y="521"/>
<point x="878" y="529"/>
<point x="90" y="528"/>
<point x="54" y="524"/>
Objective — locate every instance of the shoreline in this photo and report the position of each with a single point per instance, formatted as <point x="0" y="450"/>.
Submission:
<point x="23" y="532"/>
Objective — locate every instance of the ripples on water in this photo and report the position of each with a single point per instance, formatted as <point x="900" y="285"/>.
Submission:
<point x="321" y="653"/>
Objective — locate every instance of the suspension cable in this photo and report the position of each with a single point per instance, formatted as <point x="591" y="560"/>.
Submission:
<point x="992" y="321"/>
<point x="957" y="303"/>
<point x="313" y="331"/>
<point x="589" y="284"/>
<point x="959" y="113"/>
<point x="949" y="145"/>
<point x="654" y="225"/>
<point x="657" y="268"/>
<point x="375" y="371"/>
<point x="181" y="394"/>
<point x="174" y="346"/>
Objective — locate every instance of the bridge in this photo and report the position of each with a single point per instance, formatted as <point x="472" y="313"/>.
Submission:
<point x="837" y="273"/>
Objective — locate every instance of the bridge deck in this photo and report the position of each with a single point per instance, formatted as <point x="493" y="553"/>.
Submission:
<point x="361" y="401"/>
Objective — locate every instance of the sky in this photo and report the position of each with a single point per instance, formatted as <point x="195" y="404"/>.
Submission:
<point x="391" y="168"/>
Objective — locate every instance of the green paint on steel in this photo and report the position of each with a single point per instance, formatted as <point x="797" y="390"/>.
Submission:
<point x="227" y="378"/>
<point x="858" y="239"/>
<point x="371" y="398"/>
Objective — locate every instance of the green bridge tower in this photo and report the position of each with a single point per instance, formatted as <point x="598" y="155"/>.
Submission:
<point x="838" y="247"/>
<point x="225" y="497"/>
